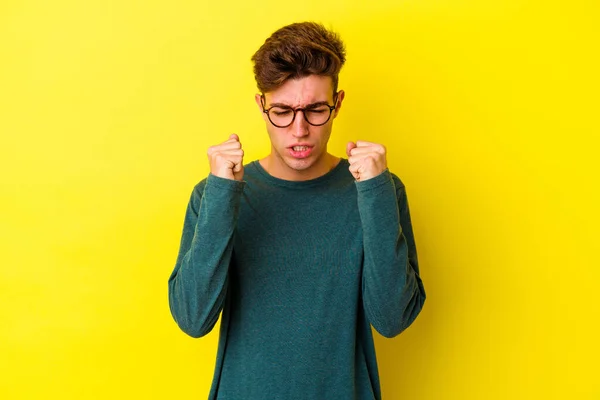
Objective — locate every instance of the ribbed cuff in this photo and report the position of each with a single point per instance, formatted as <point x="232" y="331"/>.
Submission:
<point x="216" y="182"/>
<point x="384" y="178"/>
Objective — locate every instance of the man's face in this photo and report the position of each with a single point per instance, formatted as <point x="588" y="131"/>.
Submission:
<point x="299" y="151"/>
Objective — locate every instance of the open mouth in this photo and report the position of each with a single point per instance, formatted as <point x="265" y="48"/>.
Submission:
<point x="300" y="148"/>
<point x="300" y="151"/>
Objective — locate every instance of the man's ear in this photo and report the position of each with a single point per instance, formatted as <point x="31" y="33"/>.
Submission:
<point x="340" y="97"/>
<point x="257" y="98"/>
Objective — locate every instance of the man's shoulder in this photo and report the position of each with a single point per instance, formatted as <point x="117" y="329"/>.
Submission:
<point x="199" y="187"/>
<point x="397" y="181"/>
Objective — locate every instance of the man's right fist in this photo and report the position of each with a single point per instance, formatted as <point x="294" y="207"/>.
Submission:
<point x="226" y="159"/>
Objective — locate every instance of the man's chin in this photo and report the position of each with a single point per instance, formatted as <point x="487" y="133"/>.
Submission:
<point x="299" y="165"/>
<point x="300" y="168"/>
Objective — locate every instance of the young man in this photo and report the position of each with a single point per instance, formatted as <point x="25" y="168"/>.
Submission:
<point x="301" y="251"/>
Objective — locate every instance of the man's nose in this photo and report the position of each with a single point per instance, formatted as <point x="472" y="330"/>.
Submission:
<point x="300" y="126"/>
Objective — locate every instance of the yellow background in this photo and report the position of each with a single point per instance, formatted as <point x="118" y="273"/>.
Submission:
<point x="489" y="111"/>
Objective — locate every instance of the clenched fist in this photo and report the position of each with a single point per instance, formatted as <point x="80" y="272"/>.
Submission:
<point x="226" y="159"/>
<point x="367" y="160"/>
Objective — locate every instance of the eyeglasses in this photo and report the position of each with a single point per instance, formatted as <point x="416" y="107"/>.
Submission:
<point x="316" y="114"/>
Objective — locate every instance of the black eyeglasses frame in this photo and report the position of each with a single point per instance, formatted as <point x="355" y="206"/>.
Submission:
<point x="295" y="110"/>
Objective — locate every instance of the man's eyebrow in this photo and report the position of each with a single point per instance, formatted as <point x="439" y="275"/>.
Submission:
<point x="311" y="105"/>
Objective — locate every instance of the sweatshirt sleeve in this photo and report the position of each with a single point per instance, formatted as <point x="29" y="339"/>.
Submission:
<point x="393" y="293"/>
<point x="198" y="284"/>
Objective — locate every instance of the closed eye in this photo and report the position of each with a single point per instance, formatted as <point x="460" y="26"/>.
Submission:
<point x="318" y="111"/>
<point x="281" y="111"/>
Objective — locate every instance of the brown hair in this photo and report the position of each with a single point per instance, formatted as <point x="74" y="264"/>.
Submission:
<point x="296" y="51"/>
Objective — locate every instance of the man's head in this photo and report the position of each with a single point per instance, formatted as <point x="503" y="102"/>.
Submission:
<point x="296" y="51"/>
<point x="298" y="67"/>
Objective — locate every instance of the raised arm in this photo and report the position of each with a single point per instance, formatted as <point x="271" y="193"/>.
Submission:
<point x="393" y="293"/>
<point x="198" y="284"/>
<point x="392" y="290"/>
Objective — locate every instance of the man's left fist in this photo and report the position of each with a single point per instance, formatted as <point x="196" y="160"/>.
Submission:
<point x="367" y="160"/>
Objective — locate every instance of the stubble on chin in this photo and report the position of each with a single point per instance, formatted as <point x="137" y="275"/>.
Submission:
<point x="301" y="164"/>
